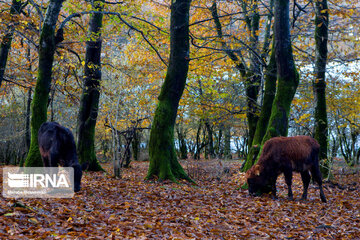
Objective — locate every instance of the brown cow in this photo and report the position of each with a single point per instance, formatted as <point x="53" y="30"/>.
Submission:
<point x="285" y="155"/>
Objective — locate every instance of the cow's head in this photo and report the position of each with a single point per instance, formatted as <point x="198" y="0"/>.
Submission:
<point x="257" y="181"/>
<point x="78" y="169"/>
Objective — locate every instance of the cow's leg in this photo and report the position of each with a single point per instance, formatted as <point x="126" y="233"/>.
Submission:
<point x="54" y="161"/>
<point x="273" y="189"/>
<point x="305" y="176"/>
<point x="46" y="161"/>
<point x="315" y="173"/>
<point x="288" y="180"/>
<point x="77" y="177"/>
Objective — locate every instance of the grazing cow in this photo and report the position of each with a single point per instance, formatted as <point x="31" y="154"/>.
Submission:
<point x="57" y="147"/>
<point x="285" y="155"/>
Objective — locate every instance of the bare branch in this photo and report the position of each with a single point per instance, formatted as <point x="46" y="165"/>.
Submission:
<point x="131" y="27"/>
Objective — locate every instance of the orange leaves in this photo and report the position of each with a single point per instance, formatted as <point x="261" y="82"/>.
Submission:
<point x="132" y="208"/>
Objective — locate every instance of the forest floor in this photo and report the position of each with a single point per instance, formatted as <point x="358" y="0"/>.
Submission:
<point x="131" y="208"/>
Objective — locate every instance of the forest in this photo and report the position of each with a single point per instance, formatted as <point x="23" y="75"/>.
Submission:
<point x="170" y="104"/>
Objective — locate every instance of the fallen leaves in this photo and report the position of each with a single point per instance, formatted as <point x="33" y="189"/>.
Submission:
<point x="109" y="208"/>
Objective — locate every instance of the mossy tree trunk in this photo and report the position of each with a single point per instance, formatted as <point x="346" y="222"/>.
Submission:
<point x="287" y="82"/>
<point x="319" y="84"/>
<point x="163" y="160"/>
<point x="89" y="102"/>
<point x="41" y="94"/>
<point x="269" y="95"/>
<point x="287" y="75"/>
<point x="5" y="46"/>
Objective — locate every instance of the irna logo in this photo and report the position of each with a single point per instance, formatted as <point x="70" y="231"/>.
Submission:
<point x="16" y="180"/>
<point x="31" y="182"/>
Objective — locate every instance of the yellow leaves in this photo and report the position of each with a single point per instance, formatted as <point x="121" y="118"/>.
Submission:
<point x="33" y="220"/>
<point x="324" y="10"/>
<point x="303" y="118"/>
<point x="112" y="217"/>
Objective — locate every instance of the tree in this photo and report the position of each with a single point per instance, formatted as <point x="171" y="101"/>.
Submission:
<point x="269" y="95"/>
<point x="89" y="104"/>
<point x="5" y="46"/>
<point x="39" y="103"/>
<point x="163" y="160"/>
<point x="287" y="79"/>
<point x="319" y="84"/>
<point x="251" y="74"/>
<point x="287" y="75"/>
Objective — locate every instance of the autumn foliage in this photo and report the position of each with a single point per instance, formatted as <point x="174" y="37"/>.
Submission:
<point x="129" y="208"/>
<point x="229" y="73"/>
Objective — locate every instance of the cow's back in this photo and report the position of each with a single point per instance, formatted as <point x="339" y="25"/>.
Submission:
<point x="296" y="151"/>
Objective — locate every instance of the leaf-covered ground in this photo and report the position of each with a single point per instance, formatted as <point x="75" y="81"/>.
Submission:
<point x="130" y="208"/>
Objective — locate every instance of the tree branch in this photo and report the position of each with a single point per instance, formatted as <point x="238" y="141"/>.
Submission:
<point x="131" y="27"/>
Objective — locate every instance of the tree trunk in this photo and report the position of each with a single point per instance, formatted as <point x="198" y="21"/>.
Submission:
<point x="28" y="107"/>
<point x="182" y="141"/>
<point x="41" y="94"/>
<point x="253" y="75"/>
<point x="89" y="103"/>
<point x="5" y="46"/>
<point x="227" y="145"/>
<point x="219" y="146"/>
<point x="268" y="98"/>
<point x="269" y="95"/>
<point x="209" y="131"/>
<point x="27" y="120"/>
<point x="163" y="161"/>
<point x="319" y="84"/>
<point x="287" y="75"/>
<point x="198" y="144"/>
<point x="287" y="82"/>
<point x="136" y="144"/>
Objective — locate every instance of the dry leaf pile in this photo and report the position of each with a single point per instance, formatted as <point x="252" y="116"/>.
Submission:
<point x="131" y="208"/>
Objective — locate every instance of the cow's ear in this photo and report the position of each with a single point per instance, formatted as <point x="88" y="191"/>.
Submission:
<point x="257" y="170"/>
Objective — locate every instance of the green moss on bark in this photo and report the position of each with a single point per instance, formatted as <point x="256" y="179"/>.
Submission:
<point x="163" y="160"/>
<point x="287" y="80"/>
<point x="39" y="116"/>
<point x="42" y="88"/>
<point x="86" y="151"/>
<point x="261" y="127"/>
